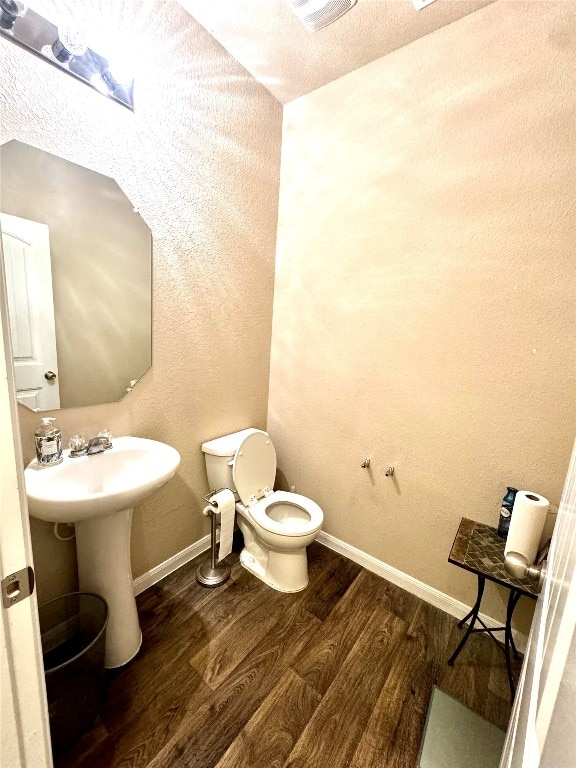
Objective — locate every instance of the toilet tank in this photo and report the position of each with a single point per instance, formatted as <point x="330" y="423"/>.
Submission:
<point x="218" y="455"/>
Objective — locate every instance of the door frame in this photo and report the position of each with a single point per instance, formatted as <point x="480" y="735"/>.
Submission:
<point x="544" y="698"/>
<point x="24" y="721"/>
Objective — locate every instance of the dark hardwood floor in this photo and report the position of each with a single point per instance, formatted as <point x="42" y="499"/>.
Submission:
<point x="242" y="676"/>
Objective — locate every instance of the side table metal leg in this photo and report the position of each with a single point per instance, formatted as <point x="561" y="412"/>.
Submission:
<point x="465" y="619"/>
<point x="473" y="615"/>
<point x="509" y="640"/>
<point x="513" y="598"/>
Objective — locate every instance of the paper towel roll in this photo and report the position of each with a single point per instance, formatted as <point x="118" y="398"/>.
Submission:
<point x="225" y="504"/>
<point x="528" y="518"/>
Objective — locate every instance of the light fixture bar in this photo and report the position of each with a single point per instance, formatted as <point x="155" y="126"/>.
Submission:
<point x="64" y="49"/>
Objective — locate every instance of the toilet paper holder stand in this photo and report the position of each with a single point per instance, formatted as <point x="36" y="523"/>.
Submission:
<point x="211" y="573"/>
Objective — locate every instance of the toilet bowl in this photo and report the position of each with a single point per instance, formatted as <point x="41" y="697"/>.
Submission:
<point x="277" y="526"/>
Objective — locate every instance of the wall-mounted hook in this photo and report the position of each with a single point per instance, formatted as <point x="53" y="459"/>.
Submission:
<point x="389" y="471"/>
<point x="365" y="464"/>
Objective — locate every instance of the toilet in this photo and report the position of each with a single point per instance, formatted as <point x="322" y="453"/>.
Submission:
<point x="277" y="526"/>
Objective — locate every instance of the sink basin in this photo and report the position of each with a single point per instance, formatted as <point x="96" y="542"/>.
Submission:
<point x="88" y="486"/>
<point x="96" y="493"/>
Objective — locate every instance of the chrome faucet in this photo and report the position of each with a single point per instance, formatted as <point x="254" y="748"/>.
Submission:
<point x="80" y="447"/>
<point x="97" y="445"/>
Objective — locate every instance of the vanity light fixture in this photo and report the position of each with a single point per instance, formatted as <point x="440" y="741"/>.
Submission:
<point x="65" y="48"/>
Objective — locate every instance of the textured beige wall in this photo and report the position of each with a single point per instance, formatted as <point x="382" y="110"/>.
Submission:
<point x="199" y="158"/>
<point x="101" y="255"/>
<point x="424" y="309"/>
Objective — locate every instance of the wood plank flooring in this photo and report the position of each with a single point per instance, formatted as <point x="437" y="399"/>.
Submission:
<point x="242" y="676"/>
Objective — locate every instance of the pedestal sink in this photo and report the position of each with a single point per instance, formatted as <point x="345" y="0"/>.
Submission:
<point x="97" y="494"/>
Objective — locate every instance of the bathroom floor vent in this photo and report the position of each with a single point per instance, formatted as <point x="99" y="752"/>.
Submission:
<point x="316" y="14"/>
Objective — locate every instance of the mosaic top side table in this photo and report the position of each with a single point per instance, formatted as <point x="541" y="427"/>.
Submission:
<point x="477" y="548"/>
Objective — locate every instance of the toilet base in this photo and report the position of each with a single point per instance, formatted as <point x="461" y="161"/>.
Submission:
<point x="283" y="571"/>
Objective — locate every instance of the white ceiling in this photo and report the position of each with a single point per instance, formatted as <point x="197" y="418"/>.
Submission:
<point x="289" y="60"/>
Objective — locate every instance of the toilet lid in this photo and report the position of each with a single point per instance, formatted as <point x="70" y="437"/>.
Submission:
<point x="254" y="467"/>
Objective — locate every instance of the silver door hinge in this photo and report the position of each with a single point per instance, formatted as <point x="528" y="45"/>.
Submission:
<point x="17" y="586"/>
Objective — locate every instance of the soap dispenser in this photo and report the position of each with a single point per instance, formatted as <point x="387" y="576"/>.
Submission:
<point x="48" y="441"/>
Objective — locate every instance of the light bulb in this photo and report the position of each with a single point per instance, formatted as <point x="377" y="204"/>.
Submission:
<point x="121" y="68"/>
<point x="118" y="51"/>
<point x="109" y="80"/>
<point x="69" y="43"/>
<point x="10" y="10"/>
<point x="97" y="81"/>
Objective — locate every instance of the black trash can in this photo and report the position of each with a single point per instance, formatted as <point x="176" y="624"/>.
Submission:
<point x="73" y="629"/>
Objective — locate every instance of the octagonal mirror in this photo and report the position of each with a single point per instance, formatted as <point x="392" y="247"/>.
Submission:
<point x="78" y="269"/>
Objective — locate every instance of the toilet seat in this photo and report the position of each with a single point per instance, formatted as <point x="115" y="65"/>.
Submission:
<point x="287" y="525"/>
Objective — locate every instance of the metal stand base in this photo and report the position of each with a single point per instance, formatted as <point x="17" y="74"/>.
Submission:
<point x="211" y="573"/>
<point x="208" y="576"/>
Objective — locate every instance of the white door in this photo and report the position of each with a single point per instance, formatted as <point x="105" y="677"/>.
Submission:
<point x="25" y="736"/>
<point x="28" y="268"/>
<point x="541" y="730"/>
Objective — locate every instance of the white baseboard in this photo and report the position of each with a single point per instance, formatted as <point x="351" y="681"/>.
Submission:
<point x="429" y="594"/>
<point x="154" y="575"/>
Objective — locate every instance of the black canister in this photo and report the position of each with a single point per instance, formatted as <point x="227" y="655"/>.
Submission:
<point x="506" y="512"/>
